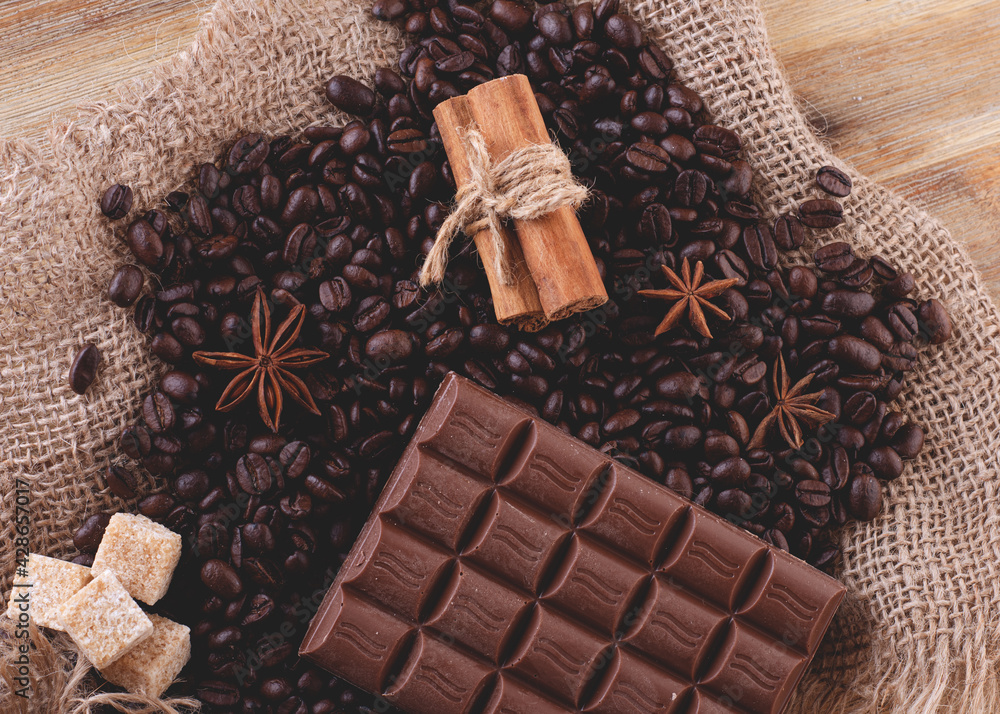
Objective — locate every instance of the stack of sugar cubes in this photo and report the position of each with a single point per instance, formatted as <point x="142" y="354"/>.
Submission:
<point x="95" y="606"/>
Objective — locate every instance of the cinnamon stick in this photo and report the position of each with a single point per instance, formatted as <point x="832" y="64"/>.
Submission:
<point x="515" y="304"/>
<point x="554" y="246"/>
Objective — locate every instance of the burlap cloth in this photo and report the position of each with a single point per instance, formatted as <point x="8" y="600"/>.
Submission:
<point x="918" y="631"/>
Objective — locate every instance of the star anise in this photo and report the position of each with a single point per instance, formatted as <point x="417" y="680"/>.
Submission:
<point x="692" y="296"/>
<point x="792" y="407"/>
<point x="267" y="370"/>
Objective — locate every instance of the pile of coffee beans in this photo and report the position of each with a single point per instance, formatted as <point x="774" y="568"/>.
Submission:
<point x="337" y="219"/>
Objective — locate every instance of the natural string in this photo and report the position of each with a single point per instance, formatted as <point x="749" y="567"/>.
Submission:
<point x="527" y="184"/>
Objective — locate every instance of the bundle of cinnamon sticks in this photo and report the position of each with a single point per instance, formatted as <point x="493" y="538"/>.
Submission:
<point x="551" y="270"/>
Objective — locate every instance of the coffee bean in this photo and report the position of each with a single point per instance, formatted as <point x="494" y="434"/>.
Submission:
<point x="934" y="322"/>
<point x="716" y="140"/>
<point x="88" y="536"/>
<point x="295" y="457"/>
<point x="349" y="95"/>
<point x="156" y="506"/>
<point x="135" y="442"/>
<point x="489" y="338"/>
<point x="788" y="232"/>
<point x="690" y="188"/>
<point x="648" y="158"/>
<point x="392" y="345"/>
<point x="248" y="153"/>
<point x="855" y="353"/>
<point x="885" y="463"/>
<point x="865" y="499"/>
<point x="834" y="257"/>
<point x="811" y="493"/>
<point x="903" y="322"/>
<point x="180" y="386"/>
<point x="145" y="243"/>
<point x="158" y="413"/>
<point x="83" y="371"/>
<point x="758" y="244"/>
<point x="733" y="471"/>
<point x="900" y="286"/>
<point x="623" y="31"/>
<point x="125" y="285"/>
<point x="254" y="474"/>
<point x="848" y="304"/>
<point x="821" y="213"/>
<point x="116" y="202"/>
<point x="834" y="181"/>
<point x="221" y="579"/>
<point x="188" y="331"/>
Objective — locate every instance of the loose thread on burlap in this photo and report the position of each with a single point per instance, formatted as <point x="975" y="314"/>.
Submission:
<point x="527" y="184"/>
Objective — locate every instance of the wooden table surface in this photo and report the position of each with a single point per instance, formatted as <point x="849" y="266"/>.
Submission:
<point x="907" y="90"/>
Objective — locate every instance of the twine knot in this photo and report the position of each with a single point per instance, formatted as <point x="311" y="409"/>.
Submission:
<point x="527" y="184"/>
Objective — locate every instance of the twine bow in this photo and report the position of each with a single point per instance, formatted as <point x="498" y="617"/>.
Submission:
<point x="529" y="183"/>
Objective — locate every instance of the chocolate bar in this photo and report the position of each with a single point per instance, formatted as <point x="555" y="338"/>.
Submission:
<point x="508" y="568"/>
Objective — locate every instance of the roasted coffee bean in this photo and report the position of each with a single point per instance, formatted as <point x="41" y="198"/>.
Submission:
<point x="788" y="232"/>
<point x="934" y="322"/>
<point x="83" y="371"/>
<point x="821" y="213"/>
<point x="855" y="353"/>
<point x="858" y="274"/>
<point x="716" y="140"/>
<point x="885" y="462"/>
<point x="199" y="216"/>
<point x="623" y="31"/>
<point x="834" y="181"/>
<point x="158" y="413"/>
<point x="392" y="345"/>
<point x="733" y="471"/>
<point x="135" y="442"/>
<point x="690" y="188"/>
<point x="248" y="153"/>
<point x="759" y="247"/>
<point x="221" y="579"/>
<point x="900" y="286"/>
<point x="813" y="494"/>
<point x="125" y="286"/>
<point x="88" y="536"/>
<point x="848" y="304"/>
<point x="648" y="158"/>
<point x="254" y="474"/>
<point x="167" y="348"/>
<point x="834" y="257"/>
<point x="903" y="322"/>
<point x="349" y="95"/>
<point x="295" y="457"/>
<point x="116" y="202"/>
<point x="188" y="331"/>
<point x="180" y="387"/>
<point x="865" y="499"/>
<point x="145" y="243"/>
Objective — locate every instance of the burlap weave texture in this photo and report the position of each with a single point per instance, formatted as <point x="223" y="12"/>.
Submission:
<point x="918" y="632"/>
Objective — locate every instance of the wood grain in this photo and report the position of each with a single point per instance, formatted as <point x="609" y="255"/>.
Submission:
<point x="907" y="90"/>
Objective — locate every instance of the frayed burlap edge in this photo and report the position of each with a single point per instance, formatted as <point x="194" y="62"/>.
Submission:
<point x="916" y="633"/>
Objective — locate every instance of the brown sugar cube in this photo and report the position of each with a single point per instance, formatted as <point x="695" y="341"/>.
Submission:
<point x="48" y="585"/>
<point x="155" y="662"/>
<point x="104" y="620"/>
<point x="142" y="555"/>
